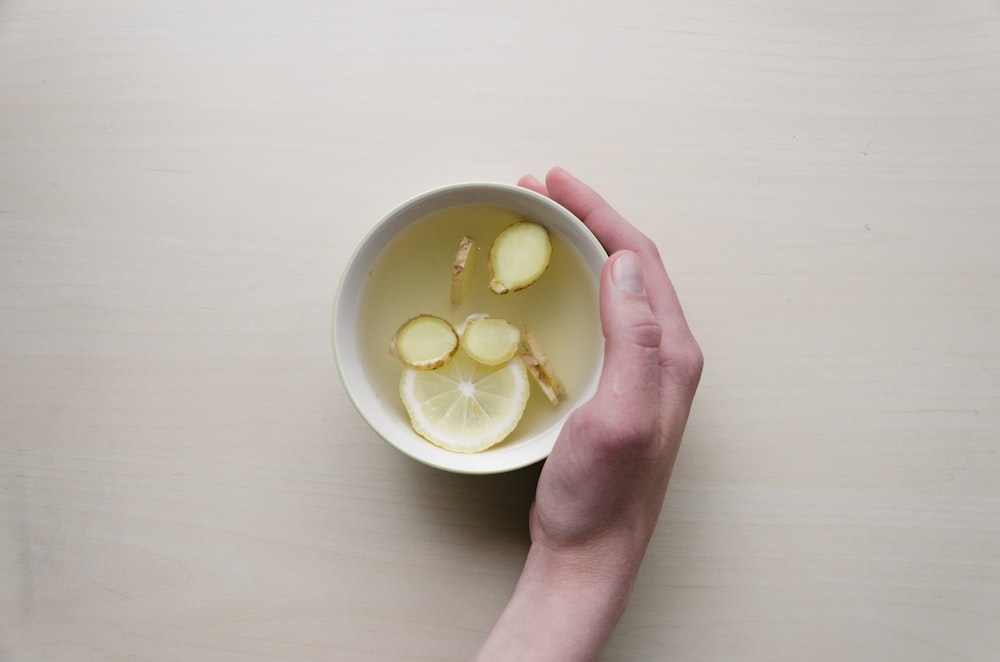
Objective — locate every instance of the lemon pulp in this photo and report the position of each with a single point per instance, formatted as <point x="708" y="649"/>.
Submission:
<point x="465" y="406"/>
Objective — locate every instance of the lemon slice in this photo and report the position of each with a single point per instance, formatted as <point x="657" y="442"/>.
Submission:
<point x="465" y="406"/>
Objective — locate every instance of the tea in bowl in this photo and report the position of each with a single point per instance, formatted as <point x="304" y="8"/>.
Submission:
<point x="466" y="326"/>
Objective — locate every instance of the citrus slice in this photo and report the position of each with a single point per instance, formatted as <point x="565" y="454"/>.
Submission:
<point x="465" y="406"/>
<point x="461" y="271"/>
<point x="519" y="256"/>
<point x="424" y="342"/>
<point x="490" y="340"/>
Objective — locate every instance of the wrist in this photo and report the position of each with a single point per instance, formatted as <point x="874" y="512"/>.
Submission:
<point x="565" y="605"/>
<point x="601" y="573"/>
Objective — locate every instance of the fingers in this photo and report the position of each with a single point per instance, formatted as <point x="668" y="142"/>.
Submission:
<point x="623" y="416"/>
<point x="607" y="224"/>
<point x="616" y="234"/>
<point x="531" y="183"/>
<point x="632" y="333"/>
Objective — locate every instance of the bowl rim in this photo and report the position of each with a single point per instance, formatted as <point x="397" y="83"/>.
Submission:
<point x="472" y="463"/>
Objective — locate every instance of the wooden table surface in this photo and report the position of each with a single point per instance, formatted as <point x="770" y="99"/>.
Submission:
<point x="182" y="182"/>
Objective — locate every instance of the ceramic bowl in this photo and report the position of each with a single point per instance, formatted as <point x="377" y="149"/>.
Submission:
<point x="380" y="406"/>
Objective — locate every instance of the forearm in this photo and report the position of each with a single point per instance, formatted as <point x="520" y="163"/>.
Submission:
<point x="564" y="607"/>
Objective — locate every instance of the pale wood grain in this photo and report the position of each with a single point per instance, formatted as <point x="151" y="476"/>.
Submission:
<point x="181" y="184"/>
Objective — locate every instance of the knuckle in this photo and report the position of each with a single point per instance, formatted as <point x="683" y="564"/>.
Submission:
<point x="687" y="361"/>
<point x="647" y="333"/>
<point x="629" y="432"/>
<point x="692" y="361"/>
<point x="695" y="358"/>
<point x="649" y="247"/>
<point x="617" y="432"/>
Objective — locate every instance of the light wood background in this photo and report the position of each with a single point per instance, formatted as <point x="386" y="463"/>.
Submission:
<point x="182" y="182"/>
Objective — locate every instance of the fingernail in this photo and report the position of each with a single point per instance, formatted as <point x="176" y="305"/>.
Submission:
<point x="626" y="273"/>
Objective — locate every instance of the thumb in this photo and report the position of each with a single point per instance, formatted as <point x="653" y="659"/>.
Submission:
<point x="632" y="334"/>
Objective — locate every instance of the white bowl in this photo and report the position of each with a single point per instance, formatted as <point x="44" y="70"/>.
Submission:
<point x="382" y="410"/>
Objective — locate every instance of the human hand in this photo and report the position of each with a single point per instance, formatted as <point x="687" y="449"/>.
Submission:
<point x="601" y="490"/>
<point x="604" y="482"/>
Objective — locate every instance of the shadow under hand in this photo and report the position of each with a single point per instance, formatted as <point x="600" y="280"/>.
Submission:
<point x="486" y="512"/>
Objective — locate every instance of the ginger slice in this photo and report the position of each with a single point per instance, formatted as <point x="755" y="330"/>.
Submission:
<point x="490" y="340"/>
<point x="461" y="272"/>
<point x="460" y="329"/>
<point x="519" y="257"/>
<point x="425" y="342"/>
<point x="540" y="367"/>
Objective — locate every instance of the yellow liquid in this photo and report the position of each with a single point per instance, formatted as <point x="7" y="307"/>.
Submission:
<point x="413" y="276"/>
